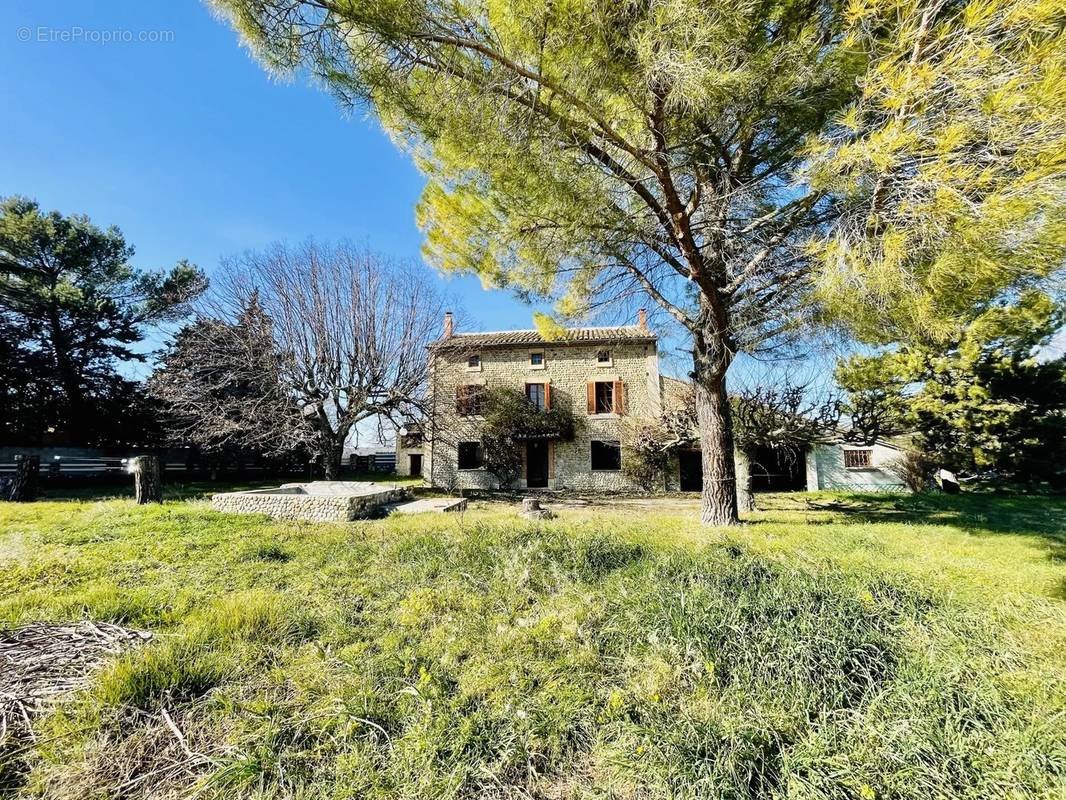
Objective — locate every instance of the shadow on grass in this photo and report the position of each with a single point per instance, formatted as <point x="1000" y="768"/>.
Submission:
<point x="1041" y="515"/>
<point x="979" y="514"/>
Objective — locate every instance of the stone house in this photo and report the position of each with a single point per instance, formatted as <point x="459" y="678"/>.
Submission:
<point x="604" y="375"/>
<point x="609" y="377"/>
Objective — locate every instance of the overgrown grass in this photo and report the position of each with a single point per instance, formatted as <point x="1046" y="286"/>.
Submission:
<point x="866" y="647"/>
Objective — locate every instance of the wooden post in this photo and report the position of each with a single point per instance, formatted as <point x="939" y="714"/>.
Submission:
<point x="24" y="485"/>
<point x="145" y="470"/>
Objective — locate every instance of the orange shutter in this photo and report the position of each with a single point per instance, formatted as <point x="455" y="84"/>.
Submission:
<point x="551" y="460"/>
<point x="547" y="395"/>
<point x="619" y="397"/>
<point x="590" y="394"/>
<point x="459" y="394"/>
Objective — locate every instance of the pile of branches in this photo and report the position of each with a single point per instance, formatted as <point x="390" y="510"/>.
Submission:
<point x="41" y="662"/>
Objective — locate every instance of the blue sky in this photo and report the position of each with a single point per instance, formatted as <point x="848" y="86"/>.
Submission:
<point x="190" y="147"/>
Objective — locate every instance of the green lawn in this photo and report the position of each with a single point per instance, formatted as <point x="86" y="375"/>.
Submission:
<point x="832" y="647"/>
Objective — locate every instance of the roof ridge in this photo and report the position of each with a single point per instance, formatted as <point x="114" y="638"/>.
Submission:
<point x="531" y="336"/>
<point x="534" y="330"/>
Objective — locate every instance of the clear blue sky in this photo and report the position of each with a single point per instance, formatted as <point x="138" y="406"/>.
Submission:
<point x="190" y="147"/>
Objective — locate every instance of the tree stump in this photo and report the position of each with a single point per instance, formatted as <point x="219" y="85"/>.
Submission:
<point x="145" y="471"/>
<point x="24" y="485"/>
<point x="531" y="509"/>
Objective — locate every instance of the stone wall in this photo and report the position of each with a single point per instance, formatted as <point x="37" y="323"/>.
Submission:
<point x="567" y="369"/>
<point x="293" y="503"/>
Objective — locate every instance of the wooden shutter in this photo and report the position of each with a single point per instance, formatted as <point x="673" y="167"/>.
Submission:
<point x="547" y="395"/>
<point x="551" y="460"/>
<point x="590" y="394"/>
<point x="460" y="396"/>
<point x="619" y="396"/>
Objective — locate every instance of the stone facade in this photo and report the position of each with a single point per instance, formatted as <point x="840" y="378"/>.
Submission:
<point x="319" y="501"/>
<point x="623" y="357"/>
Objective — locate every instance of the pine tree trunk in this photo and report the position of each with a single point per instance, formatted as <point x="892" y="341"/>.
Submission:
<point x="719" y="498"/>
<point x="75" y="426"/>
<point x="24" y="486"/>
<point x="745" y="496"/>
<point x="146" y="479"/>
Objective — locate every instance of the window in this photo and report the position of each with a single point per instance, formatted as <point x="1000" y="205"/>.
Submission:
<point x="470" y="455"/>
<point x="604" y="397"/>
<point x="473" y="362"/>
<point x="537" y="395"/>
<point x="536" y="359"/>
<point x="469" y="399"/>
<point x="606" y="456"/>
<point x="857" y="459"/>
<point x="603" y="358"/>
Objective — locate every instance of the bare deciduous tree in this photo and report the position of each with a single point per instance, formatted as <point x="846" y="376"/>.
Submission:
<point x="303" y="344"/>
<point x="785" y="418"/>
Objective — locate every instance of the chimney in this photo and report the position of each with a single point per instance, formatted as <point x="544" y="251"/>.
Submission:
<point x="448" y="324"/>
<point x="642" y="318"/>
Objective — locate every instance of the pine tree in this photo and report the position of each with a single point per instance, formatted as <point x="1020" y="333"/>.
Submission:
<point x="79" y="307"/>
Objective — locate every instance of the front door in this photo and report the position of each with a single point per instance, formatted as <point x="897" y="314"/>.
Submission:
<point x="416" y="464"/>
<point x="690" y="464"/>
<point x="537" y="465"/>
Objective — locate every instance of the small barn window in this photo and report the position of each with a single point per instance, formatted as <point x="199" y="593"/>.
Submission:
<point x="470" y="455"/>
<point x="606" y="456"/>
<point x="473" y="362"/>
<point x="858" y="459"/>
<point x="603" y="358"/>
<point x="536" y="359"/>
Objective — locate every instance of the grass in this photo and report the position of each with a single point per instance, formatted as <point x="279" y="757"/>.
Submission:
<point x="849" y="647"/>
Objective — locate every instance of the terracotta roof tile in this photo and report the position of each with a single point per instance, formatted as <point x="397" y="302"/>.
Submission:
<point x="627" y="333"/>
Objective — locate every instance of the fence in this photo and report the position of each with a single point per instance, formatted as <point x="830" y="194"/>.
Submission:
<point x="82" y="465"/>
<point x="65" y="467"/>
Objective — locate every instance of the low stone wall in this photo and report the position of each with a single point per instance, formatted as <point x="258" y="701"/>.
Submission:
<point x="292" y="502"/>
